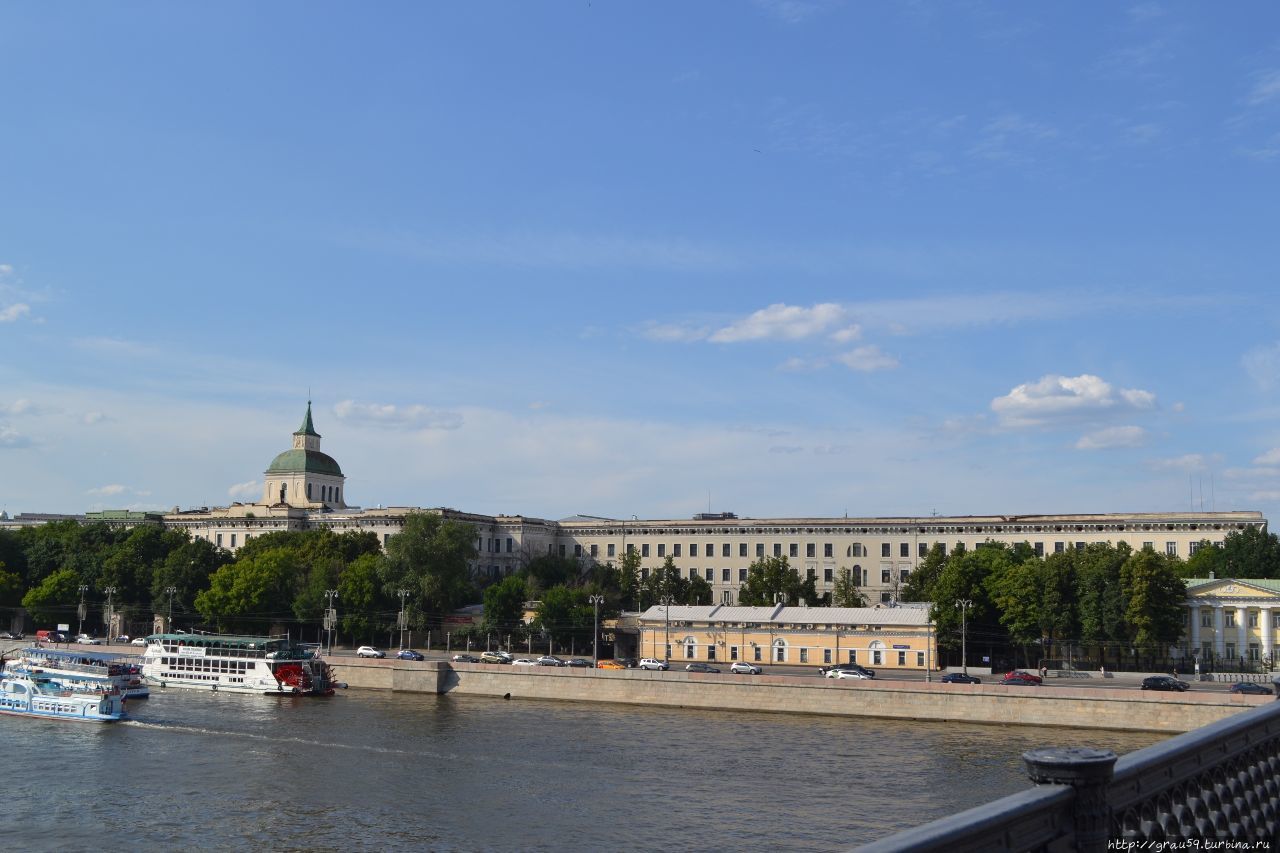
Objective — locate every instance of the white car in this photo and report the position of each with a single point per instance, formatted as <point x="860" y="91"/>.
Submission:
<point x="847" y="673"/>
<point x="743" y="668"/>
<point x="370" y="652"/>
<point x="652" y="663"/>
<point x="525" y="662"/>
<point x="85" y="639"/>
<point x="138" y="641"/>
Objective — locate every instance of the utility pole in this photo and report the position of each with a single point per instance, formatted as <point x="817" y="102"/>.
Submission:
<point x="171" y="591"/>
<point x="666" y="624"/>
<point x="111" y="609"/>
<point x="404" y="593"/>
<point x="964" y="604"/>
<point x="81" y="611"/>
<point x="596" y="600"/>
<point x="330" y="616"/>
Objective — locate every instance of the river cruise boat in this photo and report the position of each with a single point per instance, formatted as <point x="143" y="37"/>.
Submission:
<point x="235" y="664"/>
<point x="24" y="695"/>
<point x="92" y="671"/>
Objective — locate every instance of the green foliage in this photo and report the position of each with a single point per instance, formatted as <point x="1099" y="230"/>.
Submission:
<point x="770" y="579"/>
<point x="252" y="594"/>
<point x="920" y="583"/>
<point x="10" y="587"/>
<point x="1036" y="599"/>
<point x="846" y="592"/>
<point x="1251" y="553"/>
<point x="664" y="581"/>
<point x="967" y="575"/>
<point x="364" y="610"/>
<point x="430" y="558"/>
<point x="629" y="588"/>
<point x="55" y="598"/>
<point x="1209" y="559"/>
<point x="564" y="614"/>
<point x="504" y="603"/>
<point x="549" y="570"/>
<point x="1154" y="596"/>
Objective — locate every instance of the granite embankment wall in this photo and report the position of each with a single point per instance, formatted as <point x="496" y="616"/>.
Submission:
<point x="1104" y="708"/>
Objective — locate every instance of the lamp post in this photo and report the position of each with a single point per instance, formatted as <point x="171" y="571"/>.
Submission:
<point x="171" y="591"/>
<point x="330" y="616"/>
<point x="403" y="593"/>
<point x="666" y="624"/>
<point x="111" y="610"/>
<point x="964" y="604"/>
<point x="81" y="610"/>
<point x="596" y="600"/>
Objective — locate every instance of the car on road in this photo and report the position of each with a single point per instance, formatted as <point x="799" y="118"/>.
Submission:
<point x="525" y="662"/>
<point x="960" y="678"/>
<point x="138" y="641"/>
<point x="370" y="652"/>
<point x="629" y="663"/>
<point x="550" y="660"/>
<point x="495" y="657"/>
<point x="848" y="673"/>
<point x="743" y="668"/>
<point x="1164" y="682"/>
<point x="652" y="663"/>
<point x="86" y="640"/>
<point x="11" y="635"/>
<point x="1023" y="679"/>
<point x="123" y="639"/>
<point x="578" y="663"/>
<point x="699" y="667"/>
<point x="610" y="664"/>
<point x="465" y="659"/>
<point x="854" y="670"/>
<point x="1252" y="687"/>
<point x="409" y="654"/>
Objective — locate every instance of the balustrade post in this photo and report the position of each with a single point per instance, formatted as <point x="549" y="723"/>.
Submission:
<point x="1087" y="770"/>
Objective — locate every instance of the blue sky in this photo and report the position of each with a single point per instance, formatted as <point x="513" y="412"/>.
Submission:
<point x="776" y="258"/>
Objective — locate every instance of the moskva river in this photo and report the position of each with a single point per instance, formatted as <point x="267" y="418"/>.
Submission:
<point x="375" y="771"/>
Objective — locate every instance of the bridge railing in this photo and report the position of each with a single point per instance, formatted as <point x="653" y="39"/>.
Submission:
<point x="1221" y="781"/>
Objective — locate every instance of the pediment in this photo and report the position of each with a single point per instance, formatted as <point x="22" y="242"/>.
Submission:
<point x="1232" y="588"/>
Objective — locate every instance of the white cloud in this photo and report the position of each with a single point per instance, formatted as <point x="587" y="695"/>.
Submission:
<point x="789" y="11"/>
<point x="1121" y="436"/>
<point x="1263" y="365"/>
<point x="867" y="359"/>
<point x="1185" y="462"/>
<point x="782" y="322"/>
<point x="397" y="417"/>
<point x="18" y="407"/>
<point x="10" y="437"/>
<point x="788" y="448"/>
<point x="849" y="334"/>
<point x="14" y="311"/>
<point x="675" y="333"/>
<point x="251" y="489"/>
<point x="1057" y="398"/>
<point x="91" y="418"/>
<point x="107" y="491"/>
<point x="1266" y="87"/>
<point x="1271" y="457"/>
<point x="795" y="364"/>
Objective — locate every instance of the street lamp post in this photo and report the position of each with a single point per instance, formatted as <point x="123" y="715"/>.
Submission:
<point x="403" y="593"/>
<point x="596" y="600"/>
<point x="81" y="610"/>
<point x="111" y="609"/>
<point x="964" y="604"/>
<point x="666" y="624"/>
<point x="330" y="616"/>
<point x="171" y="591"/>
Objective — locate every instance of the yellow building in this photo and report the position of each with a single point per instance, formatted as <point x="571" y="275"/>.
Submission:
<point x="1232" y="619"/>
<point x="888" y="637"/>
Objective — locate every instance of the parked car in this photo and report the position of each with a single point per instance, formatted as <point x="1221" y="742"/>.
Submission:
<point x="699" y="667"/>
<point x="1021" y="676"/>
<point x="370" y="652"/>
<point x="848" y="673"/>
<point x="960" y="678"/>
<point x="743" y="668"/>
<point x="525" y="662"/>
<point x="1024" y="679"/>
<point x="123" y="638"/>
<point x="652" y="663"/>
<point x="578" y="662"/>
<point x="857" y="670"/>
<point x="409" y="654"/>
<point x="57" y="637"/>
<point x="495" y="657"/>
<point x="610" y="664"/>
<point x="138" y="641"/>
<point x="1252" y="687"/>
<point x="465" y="659"/>
<point x="629" y="663"/>
<point x="86" y="640"/>
<point x="1164" y="682"/>
<point x="550" y="660"/>
<point x="11" y="635"/>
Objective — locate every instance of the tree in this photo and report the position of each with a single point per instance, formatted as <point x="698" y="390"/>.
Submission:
<point x="629" y="586"/>
<point x="361" y="602"/>
<point x="846" y="592"/>
<point x="564" y="613"/>
<point x="187" y="569"/>
<point x="919" y="585"/>
<point x="430" y="557"/>
<point x="665" y="581"/>
<point x="504" y="603"/>
<point x="1252" y="553"/>
<point x="1209" y="560"/>
<point x="770" y="579"/>
<point x="1154" y="599"/>
<point x="54" y="598"/>
<point x="252" y="594"/>
<point x="965" y="576"/>
<point x="1100" y="595"/>
<point x="1036" y="600"/>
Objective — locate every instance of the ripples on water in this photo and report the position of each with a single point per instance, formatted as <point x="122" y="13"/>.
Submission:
<point x="376" y="771"/>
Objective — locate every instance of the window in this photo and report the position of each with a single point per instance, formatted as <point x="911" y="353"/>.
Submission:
<point x="811" y="550"/>
<point x="826" y="549"/>
<point x="612" y="549"/>
<point x="902" y="658"/>
<point x="742" y="549"/>
<point x="793" y="550"/>
<point x="877" y="657"/>
<point x="693" y="573"/>
<point x="1230" y="616"/>
<point x="662" y="550"/>
<point x="1039" y="549"/>
<point x="724" y="550"/>
<point x="693" y="549"/>
<point x="1146" y="545"/>
<point x="884" y="575"/>
<point x="885" y="549"/>
<point x="777" y="549"/>
<point x="631" y="549"/>
<point x="826" y="655"/>
<point x="711" y="652"/>
<point x="1253" y="651"/>
<point x="1059" y="547"/>
<point x="595" y="549"/>
<point x="219" y="542"/>
<point x="1171" y="548"/>
<point x="779" y="654"/>
<point x="922" y="550"/>
<point x="904" y="550"/>
<point x="1253" y="617"/>
<point x="675" y="550"/>
<point x="233" y="540"/>
<point x="688" y="651"/>
<point x="561" y="549"/>
<point x="577" y="550"/>
<point x="920" y="659"/>
<point x="827" y="575"/>
<point x="1079" y="546"/>
<point x="710" y="575"/>
<point x="742" y="575"/>
<point x="809" y="573"/>
<point x="725" y="576"/>
<point x="1231" y="650"/>
<point x="1194" y="547"/>
<point x="1206" y="618"/>
<point x="853" y="655"/>
<point x="804" y="656"/>
<point x="903" y="574"/>
<point x="886" y="598"/>
<point x="644" y="550"/>
<point x="757" y="654"/>
<point x="733" y="653"/>
<point x="759" y="549"/>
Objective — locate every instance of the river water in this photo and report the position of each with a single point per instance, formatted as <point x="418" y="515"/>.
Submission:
<point x="376" y="771"/>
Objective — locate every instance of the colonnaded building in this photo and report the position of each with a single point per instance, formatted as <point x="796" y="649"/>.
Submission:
<point x="305" y="489"/>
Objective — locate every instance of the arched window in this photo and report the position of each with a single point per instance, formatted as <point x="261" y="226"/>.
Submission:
<point x="877" y="653"/>
<point x="308" y="491"/>
<point x="779" y="650"/>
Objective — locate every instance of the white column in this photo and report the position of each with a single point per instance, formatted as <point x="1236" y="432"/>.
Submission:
<point x="1219" y="635"/>
<point x="1195" y="630"/>
<point x="1265" y="622"/>
<point x="1242" y="625"/>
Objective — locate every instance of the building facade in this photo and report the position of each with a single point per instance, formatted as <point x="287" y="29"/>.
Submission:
<point x="1232" y="620"/>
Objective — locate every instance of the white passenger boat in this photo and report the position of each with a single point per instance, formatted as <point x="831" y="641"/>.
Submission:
<point x="236" y="664"/>
<point x="79" y="670"/>
<point x="39" y="696"/>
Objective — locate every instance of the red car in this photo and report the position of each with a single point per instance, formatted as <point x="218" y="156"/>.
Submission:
<point x="1020" y="677"/>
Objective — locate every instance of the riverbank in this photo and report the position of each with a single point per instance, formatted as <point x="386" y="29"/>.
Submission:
<point x="1116" y="709"/>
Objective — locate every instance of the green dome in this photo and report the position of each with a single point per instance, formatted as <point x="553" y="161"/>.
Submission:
<point x="304" y="462"/>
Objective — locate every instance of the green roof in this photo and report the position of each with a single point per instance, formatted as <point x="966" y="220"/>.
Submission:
<point x="304" y="462"/>
<point x="1269" y="584"/>
<point x="307" y="428"/>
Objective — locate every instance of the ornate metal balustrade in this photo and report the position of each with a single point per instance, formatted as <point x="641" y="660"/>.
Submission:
<point x="1221" y="782"/>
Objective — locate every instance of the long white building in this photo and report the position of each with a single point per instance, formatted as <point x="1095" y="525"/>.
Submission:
<point x="304" y="488"/>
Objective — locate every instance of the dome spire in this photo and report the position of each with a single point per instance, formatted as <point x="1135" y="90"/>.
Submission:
<point x="307" y="428"/>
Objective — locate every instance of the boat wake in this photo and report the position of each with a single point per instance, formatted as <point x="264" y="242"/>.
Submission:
<point x="160" y="725"/>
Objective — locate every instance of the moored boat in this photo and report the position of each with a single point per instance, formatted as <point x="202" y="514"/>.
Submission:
<point x="40" y="696"/>
<point x="78" y="670"/>
<point x="236" y="664"/>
